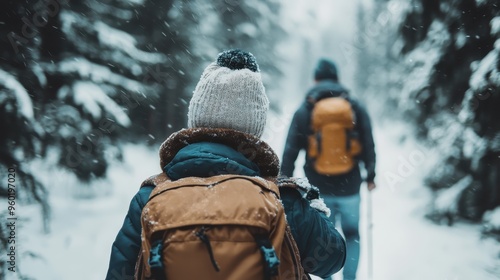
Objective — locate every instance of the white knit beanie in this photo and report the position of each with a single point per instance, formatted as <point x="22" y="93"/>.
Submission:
<point x="230" y="94"/>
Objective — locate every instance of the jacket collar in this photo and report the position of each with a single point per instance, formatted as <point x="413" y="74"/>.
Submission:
<point x="206" y="159"/>
<point x="326" y="88"/>
<point x="254" y="149"/>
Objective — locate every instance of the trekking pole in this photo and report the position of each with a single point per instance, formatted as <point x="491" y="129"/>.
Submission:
<point x="370" y="237"/>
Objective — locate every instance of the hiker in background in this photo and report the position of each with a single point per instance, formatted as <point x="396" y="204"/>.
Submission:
<point x="335" y="131"/>
<point x="226" y="119"/>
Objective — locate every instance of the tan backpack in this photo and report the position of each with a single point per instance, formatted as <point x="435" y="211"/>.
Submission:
<point x="221" y="227"/>
<point x="333" y="144"/>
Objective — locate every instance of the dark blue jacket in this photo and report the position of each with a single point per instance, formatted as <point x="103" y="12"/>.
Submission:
<point x="297" y="140"/>
<point x="321" y="247"/>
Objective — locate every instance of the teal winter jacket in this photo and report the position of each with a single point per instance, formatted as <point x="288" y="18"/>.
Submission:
<point x="205" y="153"/>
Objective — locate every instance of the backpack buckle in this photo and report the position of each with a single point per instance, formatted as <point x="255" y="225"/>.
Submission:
<point x="271" y="261"/>
<point x="155" y="262"/>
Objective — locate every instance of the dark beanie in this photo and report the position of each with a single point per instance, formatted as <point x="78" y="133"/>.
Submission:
<point x="326" y="70"/>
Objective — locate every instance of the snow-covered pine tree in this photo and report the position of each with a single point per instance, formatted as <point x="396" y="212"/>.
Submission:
<point x="449" y="54"/>
<point x="96" y="76"/>
<point x="21" y="81"/>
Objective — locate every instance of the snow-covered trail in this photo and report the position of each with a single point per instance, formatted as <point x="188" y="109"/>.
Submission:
<point x="406" y="246"/>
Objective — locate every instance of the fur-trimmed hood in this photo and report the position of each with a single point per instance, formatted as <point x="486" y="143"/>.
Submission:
<point x="253" y="148"/>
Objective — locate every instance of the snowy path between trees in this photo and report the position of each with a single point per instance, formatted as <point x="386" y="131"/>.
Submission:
<point x="85" y="220"/>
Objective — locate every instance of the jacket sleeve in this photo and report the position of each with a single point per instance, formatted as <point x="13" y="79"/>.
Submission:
<point x="295" y="141"/>
<point x="322" y="249"/>
<point x="366" y="137"/>
<point x="126" y="247"/>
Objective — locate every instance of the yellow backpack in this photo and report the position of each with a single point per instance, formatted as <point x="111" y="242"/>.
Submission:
<point x="333" y="144"/>
<point x="221" y="227"/>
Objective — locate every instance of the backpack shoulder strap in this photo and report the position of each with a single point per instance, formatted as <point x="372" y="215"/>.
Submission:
<point x="154" y="181"/>
<point x="291" y="265"/>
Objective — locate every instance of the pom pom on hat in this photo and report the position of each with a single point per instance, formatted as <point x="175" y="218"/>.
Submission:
<point x="237" y="59"/>
<point x="230" y="94"/>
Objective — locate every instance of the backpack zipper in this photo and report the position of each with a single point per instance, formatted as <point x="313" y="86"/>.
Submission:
<point x="204" y="238"/>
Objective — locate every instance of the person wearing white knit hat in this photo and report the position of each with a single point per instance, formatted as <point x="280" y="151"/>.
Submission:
<point x="226" y="118"/>
<point x="230" y="94"/>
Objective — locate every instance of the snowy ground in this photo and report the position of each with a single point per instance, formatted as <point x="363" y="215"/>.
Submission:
<point x="406" y="246"/>
<point x="84" y="222"/>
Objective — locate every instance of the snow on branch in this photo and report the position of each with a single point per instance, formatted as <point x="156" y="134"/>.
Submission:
<point x="96" y="73"/>
<point x="134" y="2"/>
<point x="491" y="220"/>
<point x="125" y="42"/>
<point x="93" y="99"/>
<point x="495" y="25"/>
<point x="422" y="60"/>
<point x="485" y="76"/>
<point x="119" y="47"/>
<point x="105" y="8"/>
<point x="24" y="103"/>
<point x="486" y="71"/>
